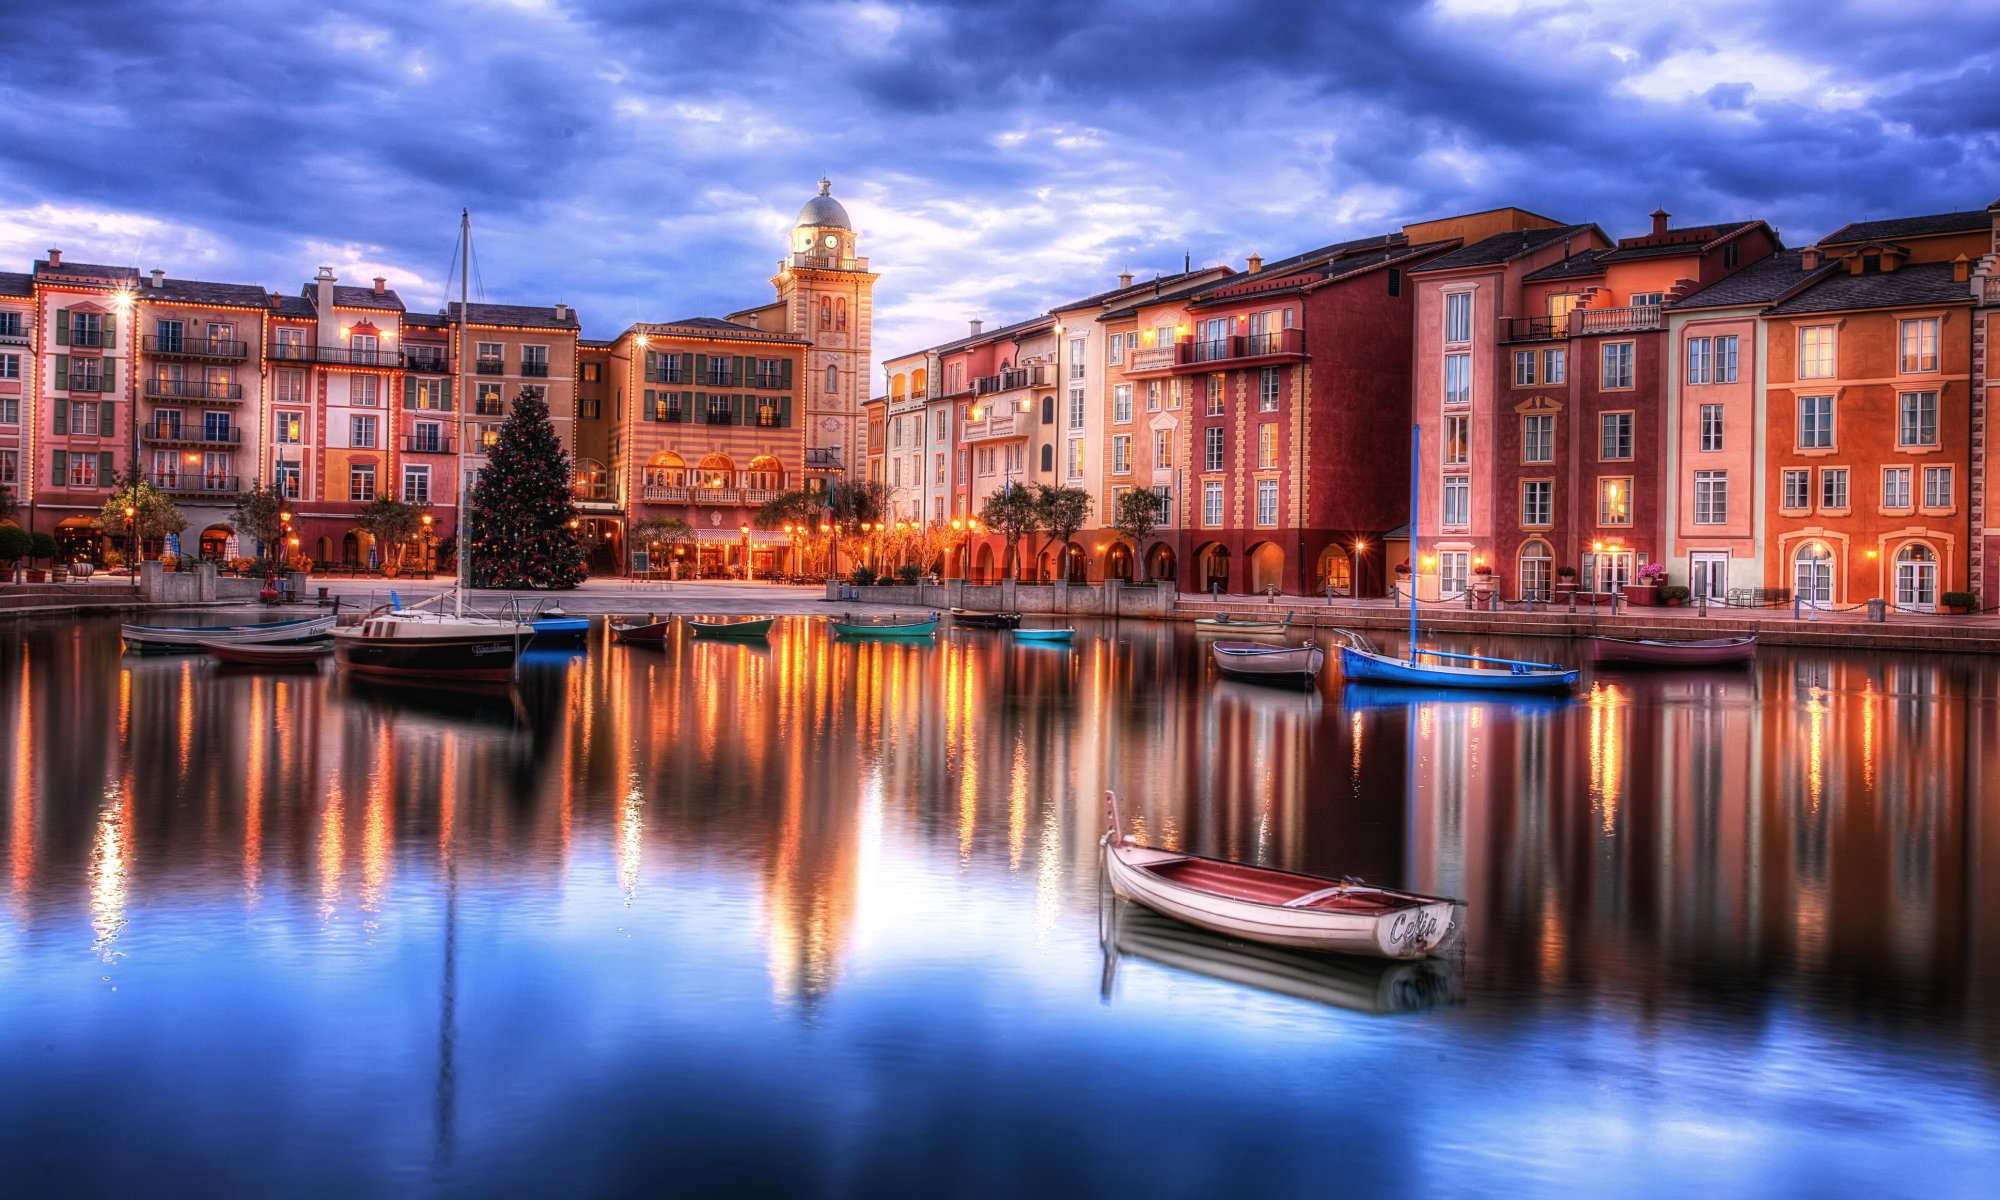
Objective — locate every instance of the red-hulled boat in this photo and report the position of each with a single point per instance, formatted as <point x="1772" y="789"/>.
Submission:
<point x="1661" y="652"/>
<point x="643" y="633"/>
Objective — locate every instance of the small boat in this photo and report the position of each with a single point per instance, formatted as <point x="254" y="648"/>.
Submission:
<point x="731" y="627"/>
<point x="884" y="627"/>
<point x="1503" y="674"/>
<point x="398" y="645"/>
<point x="1278" y="908"/>
<point x="558" y="628"/>
<point x="1276" y="664"/>
<point x="263" y="654"/>
<point x="1228" y="624"/>
<point x="1044" y="635"/>
<point x="642" y="633"/>
<point x="178" y="638"/>
<point x="973" y="618"/>
<point x="1661" y="652"/>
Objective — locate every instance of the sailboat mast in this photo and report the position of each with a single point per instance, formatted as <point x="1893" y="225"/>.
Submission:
<point x="1416" y="464"/>
<point x="464" y="544"/>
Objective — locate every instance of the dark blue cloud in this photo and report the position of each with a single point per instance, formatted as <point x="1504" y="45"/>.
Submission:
<point x="642" y="160"/>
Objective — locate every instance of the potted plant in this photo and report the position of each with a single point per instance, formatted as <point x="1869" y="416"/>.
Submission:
<point x="1958" y="602"/>
<point x="1484" y="580"/>
<point x="43" y="549"/>
<point x="15" y="542"/>
<point x="1673" y="595"/>
<point x="1402" y="581"/>
<point x="1644" y="590"/>
<point x="1565" y="582"/>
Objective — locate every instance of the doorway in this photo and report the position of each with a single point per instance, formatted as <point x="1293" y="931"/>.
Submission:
<point x="1708" y="575"/>
<point x="1916" y="578"/>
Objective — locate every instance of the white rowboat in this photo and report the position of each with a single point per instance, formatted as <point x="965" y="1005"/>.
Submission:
<point x="1274" y="664"/>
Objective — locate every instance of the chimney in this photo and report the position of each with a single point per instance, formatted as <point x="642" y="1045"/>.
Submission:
<point x="562" y="311"/>
<point x="1809" y="259"/>
<point x="381" y="285"/>
<point x="1255" y="263"/>
<point x="159" y="278"/>
<point x="276" y="299"/>
<point x="329" y="325"/>
<point x="976" y="325"/>
<point x="1124" y="279"/>
<point x="55" y="257"/>
<point x="1660" y="216"/>
<point x="1961" y="269"/>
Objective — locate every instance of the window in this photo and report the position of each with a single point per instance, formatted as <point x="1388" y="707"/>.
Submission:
<point x="290" y="387"/>
<point x="1164" y="514"/>
<point x="1075" y="459"/>
<point x="10" y="466"/>
<point x="832" y="376"/>
<point x="363" y="390"/>
<point x="1267" y="445"/>
<point x="1816" y="352"/>
<point x="1267" y="502"/>
<point x="1395" y="281"/>
<point x="1711" y="427"/>
<point x="215" y="427"/>
<point x="1457" y="441"/>
<point x="1647" y="299"/>
<point x="1115" y="352"/>
<point x="1214" y="460"/>
<point x="82" y="470"/>
<point x="361" y="433"/>
<point x="1538" y="502"/>
<point x="1453" y="569"/>
<point x="1555" y="366"/>
<point x="428" y="437"/>
<point x="1937" y="487"/>
<point x="1711" y="497"/>
<point x="1538" y="438"/>
<point x="1174" y="394"/>
<point x="534" y="362"/>
<point x="1458" y="317"/>
<point x="1217" y="393"/>
<point x="1211" y="502"/>
<point x="1267" y="390"/>
<point x="1795" y="495"/>
<point x="285" y="477"/>
<point x="1458" y="379"/>
<point x="1815" y="422"/>
<point x="1917" y="423"/>
<point x="1616" y="371"/>
<point x="83" y="417"/>
<point x="1121" y="454"/>
<point x="1919" y="339"/>
<point x="427" y="394"/>
<point x="1076" y="358"/>
<point x="1614" y="440"/>
<point x="1163" y="449"/>
<point x="1121" y="404"/>
<point x="488" y="403"/>
<point x="1163" y="337"/>
<point x="1833" y="487"/>
<point x="492" y="358"/>
<point x="1153" y="395"/>
<point x="1075" y="409"/>
<point x="1614" y="501"/>
<point x="1896" y="487"/>
<point x="1524" y="368"/>
<point x="11" y="325"/>
<point x="10" y="366"/>
<point x="361" y="483"/>
<point x="288" y="428"/>
<point x="1700" y="365"/>
<point x="1457" y="500"/>
<point x="937" y="427"/>
<point x="590" y="373"/>
<point x="416" y="485"/>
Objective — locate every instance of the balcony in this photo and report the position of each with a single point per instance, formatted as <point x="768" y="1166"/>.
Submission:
<point x="1584" y="322"/>
<point x="225" y="349"/>
<point x="85" y="383"/>
<point x="995" y="423"/>
<point x="765" y="379"/>
<point x="192" y="389"/>
<point x="490" y="366"/>
<point x="169" y="433"/>
<point x="1153" y="358"/>
<point x="672" y="493"/>
<point x="827" y="262"/>
<point x="87" y="338"/>
<point x="1242" y="349"/>
<point x="823" y="458"/>
<point x="428" y="364"/>
<point x="429" y="445"/>
<point x="336" y="355"/>
<point x="194" y="483"/>
<point x="1007" y="381"/>
<point x="535" y="370"/>
<point x="1532" y="329"/>
<point x="1991" y="285"/>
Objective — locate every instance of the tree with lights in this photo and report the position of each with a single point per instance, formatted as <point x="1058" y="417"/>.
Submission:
<point x="1013" y="514"/>
<point x="521" y="511"/>
<point x="1063" y="511"/>
<point x="154" y="515"/>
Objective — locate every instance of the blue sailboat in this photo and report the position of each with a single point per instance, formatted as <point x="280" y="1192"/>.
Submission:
<point x="1441" y="668"/>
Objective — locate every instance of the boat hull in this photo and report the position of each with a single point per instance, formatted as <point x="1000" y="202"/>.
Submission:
<point x="1250" y="628"/>
<point x="1418" y="929"/>
<point x="913" y="629"/>
<point x="732" y="629"/>
<point x="1359" y="666"/>
<point x="973" y="618"/>
<point x="455" y="658"/>
<point x="560" y="631"/>
<point x="175" y="639"/>
<point x="304" y="654"/>
<point x="1651" y="652"/>
<point x="1044" y="635"/>
<point x="651" y="634"/>
<point x="1268" y="664"/>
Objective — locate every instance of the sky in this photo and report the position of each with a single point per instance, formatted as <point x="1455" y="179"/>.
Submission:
<point x="643" y="160"/>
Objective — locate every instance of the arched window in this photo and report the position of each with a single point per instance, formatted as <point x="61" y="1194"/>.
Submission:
<point x="766" y="474"/>
<point x="899" y="386"/>
<point x="840" y="313"/>
<point x="1812" y="574"/>
<point x="833" y="379"/>
<point x="592" y="483"/>
<point x="716" y="471"/>
<point x="1048" y="456"/>
<point x="919" y="382"/>
<point x="1048" y="412"/>
<point x="825" y="313"/>
<point x="1916" y="577"/>
<point x="1536" y="567"/>
<point x="666" y="469"/>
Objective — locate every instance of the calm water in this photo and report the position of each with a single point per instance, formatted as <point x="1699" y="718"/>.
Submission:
<point x="825" y="919"/>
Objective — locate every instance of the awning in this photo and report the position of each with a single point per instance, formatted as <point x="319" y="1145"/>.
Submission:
<point x="731" y="537"/>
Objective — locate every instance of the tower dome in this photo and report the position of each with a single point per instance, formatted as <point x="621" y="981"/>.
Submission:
<point x="823" y="211"/>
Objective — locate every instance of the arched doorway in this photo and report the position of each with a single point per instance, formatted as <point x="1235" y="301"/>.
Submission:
<point x="1812" y="574"/>
<point x="1267" y="568"/>
<point x="1118" y="562"/>
<point x="982" y="564"/>
<point x="214" y="544"/>
<point x="1078" y="565"/>
<point x="1335" y="570"/>
<point x="717" y="471"/>
<point x="1916" y="577"/>
<point x="1536" y="571"/>
<point x="350" y="549"/>
<point x="77" y="540"/>
<point x="322" y="551"/>
<point x="766" y="475"/>
<point x="603" y="547"/>
<point x="1160" y="563"/>
<point x="1212" y="571"/>
<point x="665" y="470"/>
<point x="1045" y="566"/>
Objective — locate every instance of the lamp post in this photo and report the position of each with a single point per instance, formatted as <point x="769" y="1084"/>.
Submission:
<point x="749" y="572"/>
<point x="430" y="558"/>
<point x="1354" y="575"/>
<point x="826" y="532"/>
<point x="284" y="527"/>
<point x="132" y="542"/>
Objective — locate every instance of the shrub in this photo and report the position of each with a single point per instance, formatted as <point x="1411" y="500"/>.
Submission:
<point x="1565" y="572"/>
<point x="863" y="576"/>
<point x="1964" y="600"/>
<point x="908" y="576"/>
<point x="15" y="542"/>
<point x="1672" y="592"/>
<point x="44" y="546"/>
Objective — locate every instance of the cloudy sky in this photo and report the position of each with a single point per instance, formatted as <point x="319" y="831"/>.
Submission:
<point x="643" y="159"/>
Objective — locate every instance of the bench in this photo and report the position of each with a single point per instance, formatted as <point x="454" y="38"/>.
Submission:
<point x="1760" y="597"/>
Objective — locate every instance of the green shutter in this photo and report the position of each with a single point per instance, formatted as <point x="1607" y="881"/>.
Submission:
<point x="785" y="373"/>
<point x="409" y="392"/>
<point x="444" y="396"/>
<point x="687" y="407"/>
<point x="61" y="476"/>
<point x="62" y="414"/>
<point x="738" y="412"/>
<point x="110" y="331"/>
<point x="62" y="327"/>
<point x="701" y="408"/>
<point x="652" y="367"/>
<point x="700" y="368"/>
<point x="106" y="472"/>
<point x="743" y="372"/>
<point x="651" y="410"/>
<point x="785" y="411"/>
<point x="106" y="418"/>
<point x="62" y="368"/>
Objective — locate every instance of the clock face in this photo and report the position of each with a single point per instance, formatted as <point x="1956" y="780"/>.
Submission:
<point x="831" y="240"/>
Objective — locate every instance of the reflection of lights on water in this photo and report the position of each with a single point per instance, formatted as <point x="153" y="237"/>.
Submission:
<point x="332" y="850"/>
<point x="1868" y="737"/>
<point x="21" y="824"/>
<point x="187" y="717"/>
<point x="253" y="795"/>
<point x="110" y="865"/>
<point x="376" y="843"/>
<point x="1048" y="876"/>
<point x="1607" y="753"/>
<point x="631" y="835"/>
<point x="1017" y="805"/>
<point x="1815" y="751"/>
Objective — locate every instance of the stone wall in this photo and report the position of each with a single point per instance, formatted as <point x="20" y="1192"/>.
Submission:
<point x="1110" y="599"/>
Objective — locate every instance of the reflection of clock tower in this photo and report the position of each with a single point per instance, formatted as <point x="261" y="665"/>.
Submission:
<point x="825" y="295"/>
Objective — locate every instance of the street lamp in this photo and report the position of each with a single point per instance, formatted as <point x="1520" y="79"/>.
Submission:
<point x="284" y="527"/>
<point x="1354" y="575"/>
<point x="749" y="574"/>
<point x="430" y="558"/>
<point x="132" y="542"/>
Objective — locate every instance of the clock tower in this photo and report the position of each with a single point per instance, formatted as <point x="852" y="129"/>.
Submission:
<point x="826" y="295"/>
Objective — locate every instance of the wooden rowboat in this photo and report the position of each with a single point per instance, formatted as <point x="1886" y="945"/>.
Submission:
<point x="1278" y="908"/>
<point x="1505" y="674"/>
<point x="1227" y="624"/>
<point x="642" y="633"/>
<point x="973" y="618"/>
<point x="254" y="654"/>
<point x="1044" y="635"/>
<point x="731" y="627"/>
<point x="1273" y="664"/>
<point x="886" y="627"/>
<point x="1660" y="652"/>
<point x="171" y="638"/>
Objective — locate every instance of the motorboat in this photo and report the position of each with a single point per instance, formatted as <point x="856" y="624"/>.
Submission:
<point x="973" y="618"/>
<point x="731" y="627"/>
<point x="1277" y="908"/>
<point x="191" y="638"/>
<point x="424" y="645"/>
<point x="1664" y="652"/>
<point x="1274" y="664"/>
<point x="896" y="626"/>
<point x="1228" y="624"/>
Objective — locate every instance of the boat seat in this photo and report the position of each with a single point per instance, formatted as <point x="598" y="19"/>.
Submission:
<point x="1312" y="898"/>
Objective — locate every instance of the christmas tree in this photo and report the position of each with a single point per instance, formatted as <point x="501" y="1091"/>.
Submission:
<point x="520" y="511"/>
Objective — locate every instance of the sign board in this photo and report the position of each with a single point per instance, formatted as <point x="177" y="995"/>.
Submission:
<point x="642" y="561"/>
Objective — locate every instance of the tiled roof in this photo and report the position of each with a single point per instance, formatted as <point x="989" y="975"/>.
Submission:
<point x="1974" y="221"/>
<point x="1691" y="240"/>
<point x="1765" y="281"/>
<point x="986" y="335"/>
<point x="423" y="320"/>
<point x="42" y="267"/>
<point x="196" y="291"/>
<point x="1303" y="265"/>
<point x="594" y="344"/>
<point x="1315" y="268"/>
<point x="1917" y="283"/>
<point x="1578" y="265"/>
<point x="14" y="283"/>
<point x="532" y="316"/>
<point x="294" y="306"/>
<point x="1502" y="247"/>
<point x="1146" y="285"/>
<point x="715" y="326"/>
<point x="361" y="297"/>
